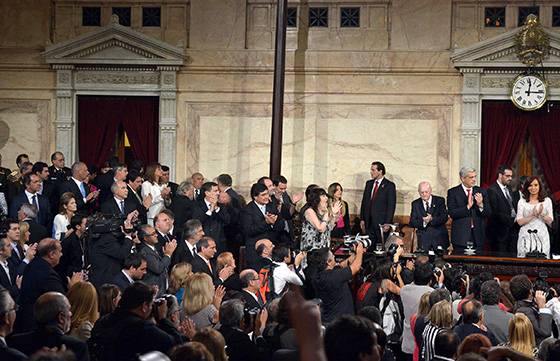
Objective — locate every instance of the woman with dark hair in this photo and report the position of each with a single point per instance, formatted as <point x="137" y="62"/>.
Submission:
<point x="67" y="209"/>
<point x="153" y="193"/>
<point x="318" y="220"/>
<point x="342" y="224"/>
<point x="534" y="213"/>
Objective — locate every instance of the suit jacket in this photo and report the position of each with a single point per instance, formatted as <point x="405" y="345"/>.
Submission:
<point x="104" y="183"/>
<point x="181" y="254"/>
<point x="497" y="322"/>
<point x="461" y="226"/>
<point x="182" y="208"/>
<point x="465" y="329"/>
<point x="500" y="221"/>
<point x="136" y="199"/>
<point x="71" y="186"/>
<point x="200" y="266"/>
<point x="173" y="187"/>
<point x="38" y="278"/>
<point x="233" y="230"/>
<point x="17" y="260"/>
<point x="9" y="283"/>
<point x="44" y="216"/>
<point x="157" y="268"/>
<point x="382" y="209"/>
<point x="33" y="341"/>
<point x="213" y="225"/>
<point x="121" y="281"/>
<point x="110" y="207"/>
<point x="59" y="175"/>
<point x="10" y="354"/>
<point x="239" y="345"/>
<point x="435" y="233"/>
<point x="37" y="231"/>
<point x="250" y="302"/>
<point x="73" y="249"/>
<point x="542" y="322"/>
<point x="107" y="254"/>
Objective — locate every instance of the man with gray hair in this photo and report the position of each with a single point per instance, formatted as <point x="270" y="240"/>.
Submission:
<point x="53" y="317"/>
<point x="186" y="248"/>
<point x="182" y="205"/>
<point x="119" y="205"/>
<point x="428" y="215"/>
<point x="235" y="331"/>
<point x="7" y="318"/>
<point x="468" y="207"/>
<point x="28" y="213"/>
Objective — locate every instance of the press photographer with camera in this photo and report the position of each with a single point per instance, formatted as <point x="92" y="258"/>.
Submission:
<point x="110" y="241"/>
<point x="331" y="282"/>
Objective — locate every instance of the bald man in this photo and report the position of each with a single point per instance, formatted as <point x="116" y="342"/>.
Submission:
<point x="428" y="215"/>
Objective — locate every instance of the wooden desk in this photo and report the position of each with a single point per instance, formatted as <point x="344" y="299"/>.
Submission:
<point x="506" y="267"/>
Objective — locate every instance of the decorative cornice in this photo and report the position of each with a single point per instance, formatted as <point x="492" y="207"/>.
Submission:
<point x="109" y="44"/>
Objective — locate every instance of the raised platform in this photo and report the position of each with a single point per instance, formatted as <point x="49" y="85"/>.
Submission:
<point x="506" y="267"/>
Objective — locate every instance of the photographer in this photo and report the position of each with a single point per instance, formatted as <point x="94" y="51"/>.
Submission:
<point x="109" y="241"/>
<point x="129" y="330"/>
<point x="533" y="305"/>
<point x="331" y="283"/>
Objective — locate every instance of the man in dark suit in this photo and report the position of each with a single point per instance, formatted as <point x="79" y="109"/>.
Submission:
<point x="286" y="205"/>
<point x="8" y="274"/>
<point x="134" y="183"/>
<point x="75" y="257"/>
<point x="164" y="180"/>
<point x="239" y="344"/>
<point x="39" y="278"/>
<point x="31" y="196"/>
<point x="204" y="262"/>
<point x="251" y="284"/>
<point x="446" y="345"/>
<point x="213" y="215"/>
<point x="107" y="253"/>
<point x="117" y="173"/>
<point x="158" y="265"/>
<point x="28" y="213"/>
<point x="186" y="248"/>
<point x="19" y="258"/>
<point x="48" y="189"/>
<point x="53" y="318"/>
<point x="134" y="269"/>
<point x="7" y="319"/>
<point x="85" y="200"/>
<point x="468" y="206"/>
<point x="118" y="205"/>
<point x="428" y="215"/>
<point x="182" y="205"/>
<point x="502" y="230"/>
<point x="164" y="222"/>
<point x="260" y="220"/>
<point x="378" y="203"/>
<point x="235" y="202"/>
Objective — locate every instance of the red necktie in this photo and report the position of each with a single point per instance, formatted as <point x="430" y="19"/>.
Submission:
<point x="469" y="197"/>
<point x="374" y="193"/>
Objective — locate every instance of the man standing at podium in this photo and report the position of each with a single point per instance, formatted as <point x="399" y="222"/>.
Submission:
<point x="468" y="207"/>
<point x="502" y="230"/>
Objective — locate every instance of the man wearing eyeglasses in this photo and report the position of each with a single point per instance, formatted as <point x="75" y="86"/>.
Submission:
<point x="8" y="309"/>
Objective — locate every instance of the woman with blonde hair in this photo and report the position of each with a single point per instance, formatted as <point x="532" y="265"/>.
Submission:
<point x="67" y="209"/>
<point x="226" y="259"/>
<point x="178" y="279"/>
<point x="439" y="319"/>
<point x="84" y="307"/>
<point x="24" y="234"/>
<point x="521" y="335"/>
<point x="423" y="310"/>
<point x="203" y="302"/>
<point x="153" y="193"/>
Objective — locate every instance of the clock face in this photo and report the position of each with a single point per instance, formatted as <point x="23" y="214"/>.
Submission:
<point x="529" y="92"/>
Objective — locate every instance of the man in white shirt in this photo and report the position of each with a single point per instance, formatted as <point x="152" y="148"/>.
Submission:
<point x="285" y="273"/>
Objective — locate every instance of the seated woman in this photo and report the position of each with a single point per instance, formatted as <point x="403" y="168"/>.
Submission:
<point x="342" y="224"/>
<point x="318" y="220"/>
<point x="534" y="214"/>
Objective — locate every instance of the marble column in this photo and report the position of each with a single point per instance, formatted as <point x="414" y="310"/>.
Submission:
<point x="471" y="119"/>
<point x="168" y="118"/>
<point x="65" y="130"/>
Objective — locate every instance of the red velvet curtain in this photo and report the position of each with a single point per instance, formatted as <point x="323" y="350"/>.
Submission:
<point x="545" y="135"/>
<point x="141" y="128"/>
<point x="503" y="130"/>
<point x="99" y="118"/>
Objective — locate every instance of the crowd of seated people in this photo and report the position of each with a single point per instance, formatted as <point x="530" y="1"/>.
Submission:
<point x="128" y="265"/>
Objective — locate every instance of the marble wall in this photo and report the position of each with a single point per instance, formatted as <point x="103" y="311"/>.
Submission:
<point x="323" y="144"/>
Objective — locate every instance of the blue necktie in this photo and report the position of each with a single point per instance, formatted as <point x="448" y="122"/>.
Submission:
<point x="83" y="190"/>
